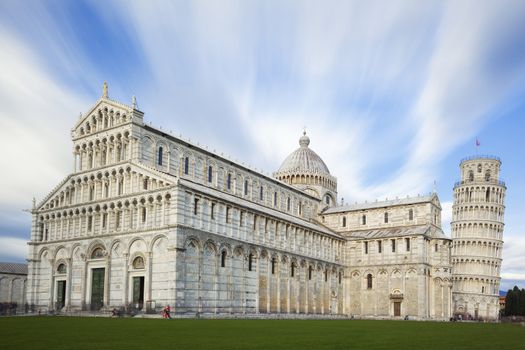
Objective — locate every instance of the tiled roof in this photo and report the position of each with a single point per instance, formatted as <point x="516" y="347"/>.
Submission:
<point x="400" y="231"/>
<point x="380" y="204"/>
<point x="13" y="268"/>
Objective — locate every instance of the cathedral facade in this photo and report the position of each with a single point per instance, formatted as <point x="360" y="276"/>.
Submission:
<point x="147" y="219"/>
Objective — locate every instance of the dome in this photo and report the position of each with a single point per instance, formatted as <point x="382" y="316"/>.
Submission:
<point x="303" y="160"/>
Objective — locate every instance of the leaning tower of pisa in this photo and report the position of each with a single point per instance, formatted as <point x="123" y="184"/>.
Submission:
<point x="477" y="232"/>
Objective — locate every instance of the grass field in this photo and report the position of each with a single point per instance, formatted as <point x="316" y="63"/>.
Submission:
<point x="106" y="333"/>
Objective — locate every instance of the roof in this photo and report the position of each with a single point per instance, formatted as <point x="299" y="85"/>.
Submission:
<point x="13" y="268"/>
<point x="381" y="204"/>
<point x="304" y="160"/>
<point x="400" y="231"/>
<point x="257" y="207"/>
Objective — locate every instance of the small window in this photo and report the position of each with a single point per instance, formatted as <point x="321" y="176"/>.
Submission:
<point x="436" y="247"/>
<point x="344" y="221"/>
<point x="369" y="281"/>
<point x="117" y="220"/>
<point x="327" y="199"/>
<point x="261" y="193"/>
<point x="273" y="266"/>
<point x="310" y="269"/>
<point x="229" y="181"/>
<point x="411" y="214"/>
<point x="138" y="262"/>
<point x="223" y="258"/>
<point x="363" y="220"/>
<point x="480" y="168"/>
<point x="210" y="173"/>
<point x="104" y="220"/>
<point x="143" y="214"/>
<point x="254" y="222"/>
<point x="393" y="245"/>
<point x="340" y="277"/>
<point x="159" y="156"/>
<point x="275" y="199"/>
<point x="288" y="204"/>
<point x="366" y="247"/>
<point x="186" y="165"/>
<point x="407" y="241"/>
<point x="195" y="206"/>
<point x="300" y="208"/>
<point x="90" y="223"/>
<point x="145" y="184"/>
<point x="471" y="175"/>
<point x="250" y="262"/>
<point x="245" y="187"/>
<point x="487" y="175"/>
<point x="120" y="186"/>
<point x="482" y="290"/>
<point x="292" y="270"/>
<point x="212" y="211"/>
<point x="386" y="218"/>
<point x="326" y="275"/>
<point x="241" y="219"/>
<point x="227" y="215"/>
<point x="61" y="269"/>
<point x="379" y="246"/>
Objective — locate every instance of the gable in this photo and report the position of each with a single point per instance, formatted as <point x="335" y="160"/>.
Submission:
<point x="60" y="195"/>
<point x="103" y="115"/>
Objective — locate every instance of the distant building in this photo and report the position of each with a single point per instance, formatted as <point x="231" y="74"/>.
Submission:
<point x="13" y="281"/>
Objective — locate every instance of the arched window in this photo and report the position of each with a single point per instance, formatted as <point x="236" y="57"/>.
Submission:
<point x="363" y="220"/>
<point x="250" y="262"/>
<point x="223" y="258"/>
<point x="292" y="270"/>
<point x="186" y="165"/>
<point x="97" y="253"/>
<point x="411" y="214"/>
<point x="487" y="195"/>
<point x="210" y="173"/>
<point x="327" y="199"/>
<point x="479" y="168"/>
<point x="273" y="266"/>
<point x="487" y="175"/>
<point x="344" y="221"/>
<point x="369" y="281"/>
<point x="138" y="262"/>
<point x="61" y="269"/>
<point x="159" y="156"/>
<point x="310" y="269"/>
<point x="386" y="218"/>
<point x="471" y="175"/>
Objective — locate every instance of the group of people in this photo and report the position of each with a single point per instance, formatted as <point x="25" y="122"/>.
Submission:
<point x="166" y="312"/>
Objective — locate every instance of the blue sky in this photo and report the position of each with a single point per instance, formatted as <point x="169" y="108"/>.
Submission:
<point x="393" y="93"/>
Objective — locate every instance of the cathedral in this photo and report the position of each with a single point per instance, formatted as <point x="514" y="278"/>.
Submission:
<point x="147" y="219"/>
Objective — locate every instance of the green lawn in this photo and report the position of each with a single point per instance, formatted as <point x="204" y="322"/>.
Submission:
<point x="125" y="333"/>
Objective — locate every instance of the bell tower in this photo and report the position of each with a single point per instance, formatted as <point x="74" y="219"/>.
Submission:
<point x="477" y="232"/>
